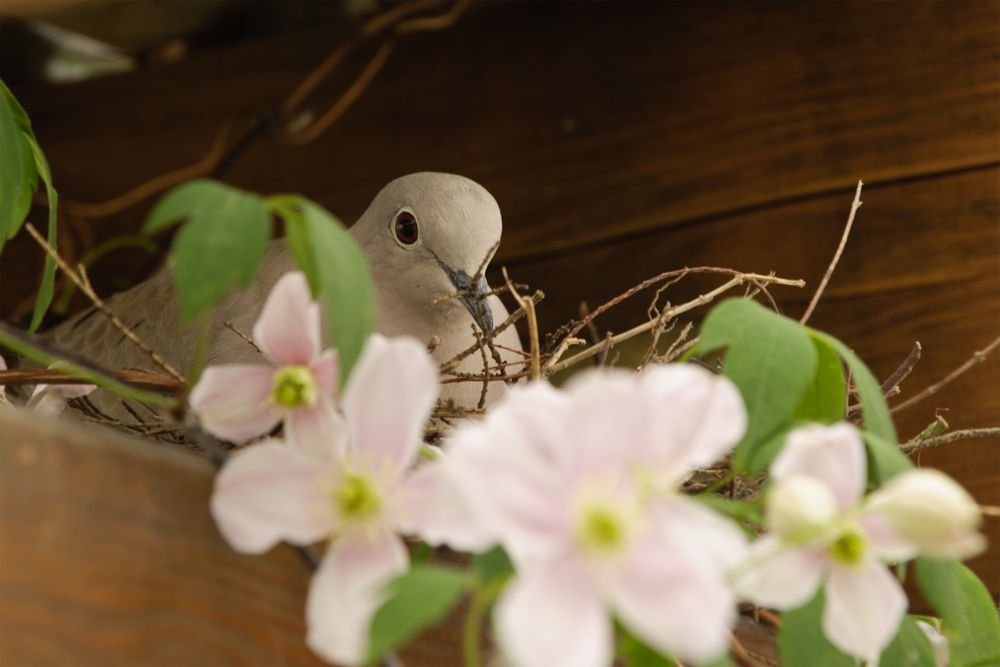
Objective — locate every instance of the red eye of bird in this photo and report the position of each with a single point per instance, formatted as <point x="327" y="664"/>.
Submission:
<point x="406" y="228"/>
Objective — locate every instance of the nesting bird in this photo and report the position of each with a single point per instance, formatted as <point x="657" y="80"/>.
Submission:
<point x="425" y="235"/>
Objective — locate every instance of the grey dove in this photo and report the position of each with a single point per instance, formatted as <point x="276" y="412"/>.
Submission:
<point x="425" y="235"/>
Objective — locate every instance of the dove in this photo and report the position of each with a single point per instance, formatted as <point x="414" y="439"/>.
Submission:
<point x="426" y="235"/>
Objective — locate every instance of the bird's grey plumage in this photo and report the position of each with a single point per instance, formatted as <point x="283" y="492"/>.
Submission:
<point x="458" y="225"/>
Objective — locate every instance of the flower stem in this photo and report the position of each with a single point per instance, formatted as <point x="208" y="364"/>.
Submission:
<point x="473" y="629"/>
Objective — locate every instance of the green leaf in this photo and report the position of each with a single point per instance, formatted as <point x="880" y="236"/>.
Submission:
<point x="910" y="648"/>
<point x="492" y="565"/>
<point x="770" y="359"/>
<point x="47" y="288"/>
<point x="884" y="458"/>
<point x="220" y="245"/>
<point x="418" y="599"/>
<point x="18" y="177"/>
<point x="801" y="640"/>
<point x="968" y="617"/>
<point x="345" y="284"/>
<point x="734" y="509"/>
<point x="825" y="400"/>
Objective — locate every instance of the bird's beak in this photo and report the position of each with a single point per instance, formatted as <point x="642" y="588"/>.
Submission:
<point x="473" y="297"/>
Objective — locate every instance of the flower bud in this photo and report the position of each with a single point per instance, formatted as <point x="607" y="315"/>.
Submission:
<point x="799" y="508"/>
<point x="930" y="510"/>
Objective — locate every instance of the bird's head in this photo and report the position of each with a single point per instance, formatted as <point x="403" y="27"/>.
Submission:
<point x="428" y="234"/>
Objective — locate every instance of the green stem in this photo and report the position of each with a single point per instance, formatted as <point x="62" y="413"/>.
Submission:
<point x="720" y="483"/>
<point x="473" y="629"/>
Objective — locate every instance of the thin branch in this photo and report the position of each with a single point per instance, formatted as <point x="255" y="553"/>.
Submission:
<point x="738" y="279"/>
<point x="511" y="319"/>
<point x="140" y="379"/>
<point x="948" y="438"/>
<point x="855" y="205"/>
<point x="528" y="306"/>
<point x="84" y="285"/>
<point x="893" y="381"/>
<point x="976" y="359"/>
<point x="246" y="338"/>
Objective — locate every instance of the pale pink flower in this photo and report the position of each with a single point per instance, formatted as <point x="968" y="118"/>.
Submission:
<point x="52" y="398"/>
<point x="239" y="402"/>
<point x="824" y="531"/>
<point x="580" y="489"/>
<point x="355" y="490"/>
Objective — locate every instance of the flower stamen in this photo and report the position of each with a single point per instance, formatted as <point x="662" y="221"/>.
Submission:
<point x="357" y="498"/>
<point x="294" y="387"/>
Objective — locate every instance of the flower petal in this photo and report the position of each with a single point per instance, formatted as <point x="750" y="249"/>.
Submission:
<point x="388" y="398"/>
<point x="288" y="327"/>
<point x="884" y="541"/>
<point x="326" y="371"/>
<point x="833" y="454"/>
<point x="346" y="592"/>
<point x="551" y="617"/>
<point x="267" y="493"/>
<point x="864" y="606"/>
<point x="319" y="431"/>
<point x="233" y="401"/>
<point x="433" y="506"/>
<point x="674" y="602"/>
<point x="678" y="520"/>
<point x="778" y="576"/>
<point x="698" y="416"/>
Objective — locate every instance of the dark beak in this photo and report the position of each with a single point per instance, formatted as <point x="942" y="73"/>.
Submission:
<point x="473" y="298"/>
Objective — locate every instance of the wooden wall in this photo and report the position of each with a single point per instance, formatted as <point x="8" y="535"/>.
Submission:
<point x="626" y="139"/>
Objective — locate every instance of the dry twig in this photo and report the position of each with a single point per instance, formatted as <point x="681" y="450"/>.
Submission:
<point x="976" y="359"/>
<point x="836" y="256"/>
<point x="916" y="445"/>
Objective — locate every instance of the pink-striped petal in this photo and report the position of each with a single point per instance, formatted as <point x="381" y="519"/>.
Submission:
<point x="346" y="592"/>
<point x="267" y="493"/>
<point x="777" y="576"/>
<point x="233" y="402"/>
<point x="833" y="454"/>
<point x="388" y="399"/>
<point x="288" y="327"/>
<point x="326" y="372"/>
<point x="674" y="602"/>
<point x="551" y="617"/>
<point x="319" y="431"/>
<point x="864" y="607"/>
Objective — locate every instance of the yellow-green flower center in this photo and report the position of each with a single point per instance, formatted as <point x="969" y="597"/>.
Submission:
<point x="357" y="498"/>
<point x="849" y="548"/>
<point x="293" y="387"/>
<point x="602" y="529"/>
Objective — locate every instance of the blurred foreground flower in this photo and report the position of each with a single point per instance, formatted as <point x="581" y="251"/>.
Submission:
<point x="53" y="398"/>
<point x="239" y="402"/>
<point x="823" y="530"/>
<point x="579" y="488"/>
<point x="353" y="489"/>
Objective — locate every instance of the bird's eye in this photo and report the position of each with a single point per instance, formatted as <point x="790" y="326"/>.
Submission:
<point x="405" y="228"/>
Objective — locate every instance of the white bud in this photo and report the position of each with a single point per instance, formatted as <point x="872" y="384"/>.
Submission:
<point x="939" y="643"/>
<point x="932" y="511"/>
<point x="799" y="508"/>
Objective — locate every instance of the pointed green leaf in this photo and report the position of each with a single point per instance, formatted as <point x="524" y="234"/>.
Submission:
<point x="910" y="648"/>
<point x="968" y="616"/>
<point x="345" y="284"/>
<point x="416" y="600"/>
<point x="18" y="178"/>
<point x="825" y="399"/>
<point x="221" y="244"/>
<point x="770" y="358"/>
<point x="802" y="642"/>
<point x="47" y="288"/>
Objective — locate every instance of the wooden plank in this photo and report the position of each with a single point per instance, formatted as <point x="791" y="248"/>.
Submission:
<point x="586" y="121"/>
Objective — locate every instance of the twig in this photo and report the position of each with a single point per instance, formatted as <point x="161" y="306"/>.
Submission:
<point x="84" y="285"/>
<point x="511" y="319"/>
<point x="855" y="205"/>
<point x="564" y="344"/>
<point x="486" y="369"/>
<point x="976" y="359"/>
<point x="528" y="306"/>
<point x="141" y="379"/>
<point x="738" y="279"/>
<point x="585" y="316"/>
<point x="246" y="338"/>
<point x="741" y="654"/>
<point x="893" y="381"/>
<point x="948" y="438"/>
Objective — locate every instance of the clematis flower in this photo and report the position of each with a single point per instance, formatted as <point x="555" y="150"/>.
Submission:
<point x="579" y="488"/>
<point x="239" y="402"/>
<point x="52" y="398"/>
<point x="355" y="491"/>
<point x="823" y="531"/>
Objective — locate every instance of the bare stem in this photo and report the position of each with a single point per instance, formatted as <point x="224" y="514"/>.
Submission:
<point x="836" y="256"/>
<point x="976" y="359"/>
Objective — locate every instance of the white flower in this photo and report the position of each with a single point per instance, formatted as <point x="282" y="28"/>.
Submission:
<point x="931" y="511"/>
<point x="580" y="488"/>
<point x="52" y="398"/>
<point x="355" y="490"/>
<point x="822" y="530"/>
<point x="939" y="643"/>
<point x="239" y="402"/>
